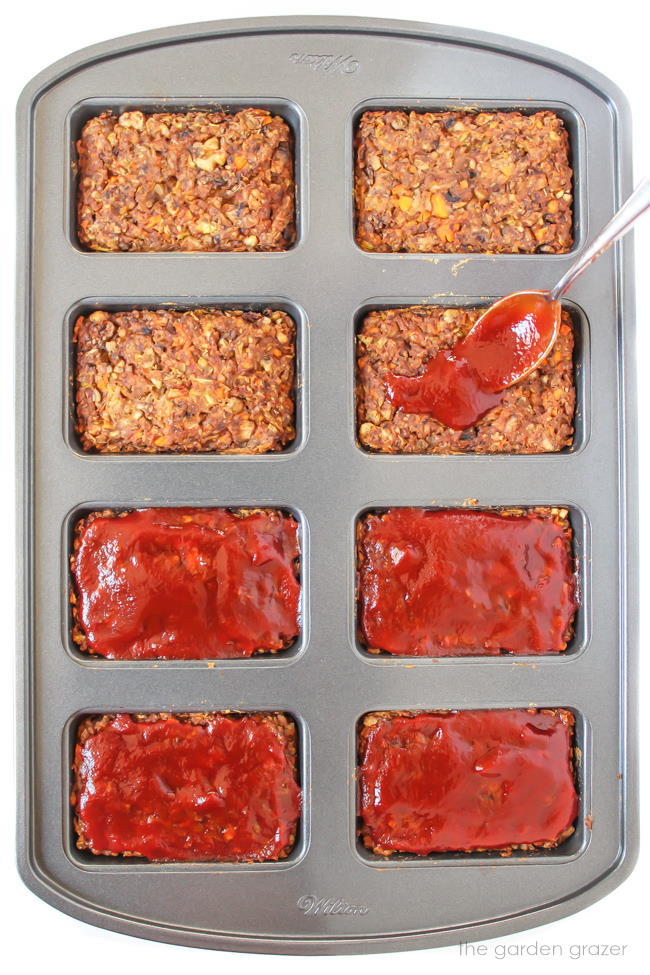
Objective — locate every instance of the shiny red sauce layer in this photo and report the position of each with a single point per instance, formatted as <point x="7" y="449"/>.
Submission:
<point x="459" y="385"/>
<point x="467" y="780"/>
<point x="185" y="583"/>
<point x="454" y="583"/>
<point x="174" y="790"/>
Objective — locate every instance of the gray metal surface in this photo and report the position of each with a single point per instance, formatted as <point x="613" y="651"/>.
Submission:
<point x="327" y="682"/>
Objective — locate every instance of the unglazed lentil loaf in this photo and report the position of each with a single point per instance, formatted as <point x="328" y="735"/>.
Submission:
<point x="534" y="416"/>
<point x="158" y="381"/>
<point x="187" y="787"/>
<point x="456" y="182"/>
<point x="195" y="181"/>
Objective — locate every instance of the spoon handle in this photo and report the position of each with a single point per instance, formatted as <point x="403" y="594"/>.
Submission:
<point x="634" y="206"/>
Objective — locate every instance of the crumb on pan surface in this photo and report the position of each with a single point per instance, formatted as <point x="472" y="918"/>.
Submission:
<point x="187" y="787"/>
<point x="458" y="582"/>
<point x="534" y="416"/>
<point x="193" y="181"/>
<point x="454" y="182"/>
<point x="185" y="583"/>
<point x="205" y="380"/>
<point x="466" y="781"/>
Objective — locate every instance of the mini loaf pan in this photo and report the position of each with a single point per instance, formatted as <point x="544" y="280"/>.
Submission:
<point x="330" y="895"/>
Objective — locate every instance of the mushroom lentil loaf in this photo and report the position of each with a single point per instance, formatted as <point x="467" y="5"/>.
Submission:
<point x="195" y="181"/>
<point x="466" y="781"/>
<point x="458" y="182"/>
<point x="450" y="582"/>
<point x="159" y="381"/>
<point x="534" y="416"/>
<point x="187" y="787"/>
<point x="185" y="583"/>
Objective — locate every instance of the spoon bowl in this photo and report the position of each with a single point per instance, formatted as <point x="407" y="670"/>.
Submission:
<point x="512" y="337"/>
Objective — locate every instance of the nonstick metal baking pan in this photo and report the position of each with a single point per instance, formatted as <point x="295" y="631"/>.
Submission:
<point x="330" y="895"/>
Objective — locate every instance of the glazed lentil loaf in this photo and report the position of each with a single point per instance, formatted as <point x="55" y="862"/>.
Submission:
<point x="185" y="583"/>
<point x="458" y="182"/>
<point x="453" y="582"/>
<point x="466" y="781"/>
<point x="534" y="416"/>
<point x="195" y="181"/>
<point x="187" y="787"/>
<point x="158" y="381"/>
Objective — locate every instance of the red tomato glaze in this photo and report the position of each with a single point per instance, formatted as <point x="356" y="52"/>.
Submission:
<point x="459" y="385"/>
<point x="188" y="583"/>
<point x="466" y="780"/>
<point x="172" y="790"/>
<point x="454" y="582"/>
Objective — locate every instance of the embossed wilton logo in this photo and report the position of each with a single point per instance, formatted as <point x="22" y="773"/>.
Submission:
<point x="327" y="63"/>
<point x="311" y="904"/>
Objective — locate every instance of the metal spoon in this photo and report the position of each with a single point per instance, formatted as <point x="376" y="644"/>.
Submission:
<point x="634" y="206"/>
<point x="509" y="340"/>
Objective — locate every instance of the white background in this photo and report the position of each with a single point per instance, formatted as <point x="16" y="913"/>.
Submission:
<point x="609" y="37"/>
